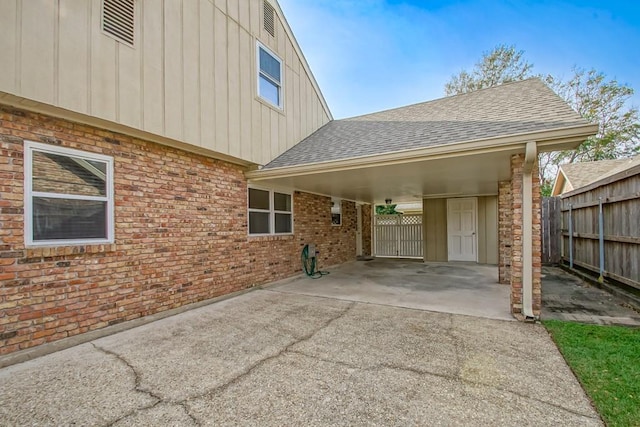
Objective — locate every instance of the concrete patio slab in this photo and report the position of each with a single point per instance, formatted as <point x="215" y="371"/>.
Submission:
<point x="459" y="288"/>
<point x="271" y="358"/>
<point x="567" y="297"/>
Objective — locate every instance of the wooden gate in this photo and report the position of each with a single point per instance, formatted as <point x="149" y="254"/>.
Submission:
<point x="398" y="236"/>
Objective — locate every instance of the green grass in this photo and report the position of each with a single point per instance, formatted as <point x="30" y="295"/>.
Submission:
<point x="606" y="360"/>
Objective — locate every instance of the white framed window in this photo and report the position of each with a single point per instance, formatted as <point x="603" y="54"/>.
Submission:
<point x="270" y="212"/>
<point x="68" y="196"/>
<point x="336" y="211"/>
<point x="269" y="76"/>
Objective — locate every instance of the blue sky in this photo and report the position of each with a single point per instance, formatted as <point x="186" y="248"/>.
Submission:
<point x="371" y="55"/>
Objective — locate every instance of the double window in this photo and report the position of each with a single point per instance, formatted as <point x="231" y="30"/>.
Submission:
<point x="269" y="76"/>
<point x="270" y="212"/>
<point x="68" y="196"/>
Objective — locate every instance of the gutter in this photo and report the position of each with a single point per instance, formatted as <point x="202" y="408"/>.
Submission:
<point x="527" y="230"/>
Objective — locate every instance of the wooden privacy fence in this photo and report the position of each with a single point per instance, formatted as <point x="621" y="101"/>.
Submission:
<point x="551" y="230"/>
<point x="597" y="228"/>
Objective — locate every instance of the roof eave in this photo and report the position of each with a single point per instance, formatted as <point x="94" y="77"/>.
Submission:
<point x="549" y="140"/>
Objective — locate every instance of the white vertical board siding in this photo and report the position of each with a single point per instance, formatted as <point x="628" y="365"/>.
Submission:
<point x="103" y="69"/>
<point x="257" y="151"/>
<point x="274" y="120"/>
<point x="233" y="82"/>
<point x="191" y="71"/>
<point x="152" y="24"/>
<point x="173" y="67"/>
<point x="73" y="55"/>
<point x="246" y="91"/>
<point x="38" y="49"/>
<point x="9" y="44"/>
<point x="221" y="82"/>
<point x="207" y="104"/>
<point x="190" y="76"/>
<point x="130" y="81"/>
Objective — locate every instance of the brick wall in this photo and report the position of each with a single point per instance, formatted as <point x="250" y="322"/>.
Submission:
<point x="180" y="237"/>
<point x="504" y="232"/>
<point x="517" y="164"/>
<point x="367" y="229"/>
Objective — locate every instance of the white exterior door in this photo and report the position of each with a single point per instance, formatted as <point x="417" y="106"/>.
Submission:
<point x="461" y="229"/>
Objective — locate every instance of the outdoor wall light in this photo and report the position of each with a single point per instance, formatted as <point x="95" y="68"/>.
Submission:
<point x="387" y="201"/>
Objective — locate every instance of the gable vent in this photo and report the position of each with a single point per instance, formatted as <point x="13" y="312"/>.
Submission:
<point x="118" y="19"/>
<point x="269" y="18"/>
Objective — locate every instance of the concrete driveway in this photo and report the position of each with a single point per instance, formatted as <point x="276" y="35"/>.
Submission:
<point x="273" y="358"/>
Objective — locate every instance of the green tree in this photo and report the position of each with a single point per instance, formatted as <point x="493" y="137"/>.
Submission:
<point x="597" y="99"/>
<point x="604" y="102"/>
<point x="386" y="210"/>
<point x="503" y="64"/>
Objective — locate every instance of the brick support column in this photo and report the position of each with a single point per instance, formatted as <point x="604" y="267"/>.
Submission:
<point x="517" y="261"/>
<point x="366" y="229"/>
<point x="504" y="232"/>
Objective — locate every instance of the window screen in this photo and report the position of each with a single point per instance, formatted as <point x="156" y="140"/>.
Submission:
<point x="270" y="212"/>
<point x="269" y="77"/>
<point x="68" y="196"/>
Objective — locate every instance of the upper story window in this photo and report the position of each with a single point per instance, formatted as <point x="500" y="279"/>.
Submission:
<point x="269" y="76"/>
<point x="68" y="196"/>
<point x="270" y="212"/>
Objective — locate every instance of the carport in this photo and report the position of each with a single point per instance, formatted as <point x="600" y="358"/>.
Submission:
<point x="470" y="159"/>
<point x="456" y="288"/>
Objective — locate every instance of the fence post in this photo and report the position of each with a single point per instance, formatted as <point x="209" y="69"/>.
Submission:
<point x="601" y="239"/>
<point x="570" y="236"/>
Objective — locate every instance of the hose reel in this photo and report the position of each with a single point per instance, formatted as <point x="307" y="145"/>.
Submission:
<point x="309" y="262"/>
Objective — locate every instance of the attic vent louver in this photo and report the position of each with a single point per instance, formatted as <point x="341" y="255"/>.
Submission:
<point x="118" y="19"/>
<point x="269" y="18"/>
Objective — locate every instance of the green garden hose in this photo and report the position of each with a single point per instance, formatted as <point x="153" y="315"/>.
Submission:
<point x="309" y="264"/>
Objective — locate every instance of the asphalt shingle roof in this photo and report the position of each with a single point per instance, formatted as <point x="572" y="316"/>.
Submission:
<point x="582" y="174"/>
<point x="514" y="108"/>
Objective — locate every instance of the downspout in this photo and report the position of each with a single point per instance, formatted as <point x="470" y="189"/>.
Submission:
<point x="527" y="230"/>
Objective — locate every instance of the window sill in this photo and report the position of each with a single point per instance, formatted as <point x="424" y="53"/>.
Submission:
<point x="55" y="251"/>
<point x="271" y="237"/>
<point x="266" y="103"/>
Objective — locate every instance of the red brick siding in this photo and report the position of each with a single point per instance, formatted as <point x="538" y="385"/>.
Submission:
<point x="180" y="237"/>
<point x="504" y="232"/>
<point x="367" y="229"/>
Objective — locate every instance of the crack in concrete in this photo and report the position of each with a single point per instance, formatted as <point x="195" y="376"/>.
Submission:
<point x="136" y="383"/>
<point x="140" y="389"/>
<point x="288" y="349"/>
<point x="284" y="350"/>
<point x="184" y="402"/>
<point x="459" y="379"/>
<point x="456" y="378"/>
<point x="183" y="405"/>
